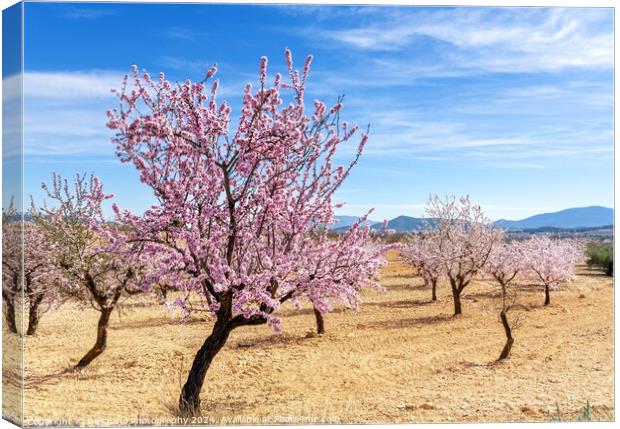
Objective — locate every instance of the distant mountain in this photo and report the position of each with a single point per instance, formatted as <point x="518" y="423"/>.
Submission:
<point x="406" y="223"/>
<point x="344" y="222"/>
<point x="580" y="217"/>
<point x="574" y="218"/>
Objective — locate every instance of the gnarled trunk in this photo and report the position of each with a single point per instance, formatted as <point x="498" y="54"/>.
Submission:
<point x="547" y="295"/>
<point x="9" y="314"/>
<point x="33" y="314"/>
<point x="320" y="324"/>
<point x="434" y="284"/>
<point x="509" y="340"/>
<point x="102" y="339"/>
<point x="456" y="295"/>
<point x="189" y="401"/>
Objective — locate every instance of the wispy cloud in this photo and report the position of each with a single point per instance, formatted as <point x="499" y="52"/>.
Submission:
<point x="490" y="39"/>
<point x="71" y="85"/>
<point x="12" y="87"/>
<point x="481" y="139"/>
<point x="180" y="33"/>
<point x="189" y="66"/>
<point x="64" y="112"/>
<point x="73" y="12"/>
<point x="11" y="115"/>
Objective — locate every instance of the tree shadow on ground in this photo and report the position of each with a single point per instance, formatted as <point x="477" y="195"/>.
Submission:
<point x="406" y="323"/>
<point x="492" y="294"/>
<point x="307" y="311"/>
<point x="487" y="364"/>
<point x="401" y="276"/>
<point x="274" y="340"/>
<point x="592" y="273"/>
<point x="155" y="322"/>
<point x="406" y="287"/>
<point x="232" y="412"/>
<point x="406" y="303"/>
<point x="32" y="381"/>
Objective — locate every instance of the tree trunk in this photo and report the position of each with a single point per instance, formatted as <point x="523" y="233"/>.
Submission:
<point x="320" y="324"/>
<point x="509" y="339"/>
<point x="164" y="294"/>
<point x="9" y="314"/>
<point x="102" y="339"/>
<point x="434" y="284"/>
<point x="189" y="401"/>
<point x="33" y="314"/>
<point x="456" y="294"/>
<point x="547" y="296"/>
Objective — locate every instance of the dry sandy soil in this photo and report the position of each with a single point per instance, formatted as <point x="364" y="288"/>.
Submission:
<point x="400" y="359"/>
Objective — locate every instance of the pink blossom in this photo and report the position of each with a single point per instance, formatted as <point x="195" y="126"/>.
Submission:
<point x="242" y="207"/>
<point x="551" y="261"/>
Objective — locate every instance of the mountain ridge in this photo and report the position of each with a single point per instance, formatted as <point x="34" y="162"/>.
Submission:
<point x="575" y="217"/>
<point x="570" y="218"/>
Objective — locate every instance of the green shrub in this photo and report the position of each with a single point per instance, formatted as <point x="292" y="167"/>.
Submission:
<point x="601" y="256"/>
<point x="585" y="414"/>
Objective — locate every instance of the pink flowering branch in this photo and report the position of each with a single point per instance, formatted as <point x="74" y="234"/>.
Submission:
<point x="241" y="208"/>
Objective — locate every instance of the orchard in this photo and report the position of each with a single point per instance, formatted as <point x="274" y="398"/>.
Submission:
<point x="240" y="231"/>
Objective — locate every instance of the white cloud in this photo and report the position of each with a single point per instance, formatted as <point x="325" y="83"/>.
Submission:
<point x="64" y="112"/>
<point x="188" y="66"/>
<point x="12" y="87"/>
<point x="181" y="34"/>
<point x="11" y="115"/>
<point x="479" y="139"/>
<point x="491" y="39"/>
<point x="71" y="85"/>
<point x="72" y="12"/>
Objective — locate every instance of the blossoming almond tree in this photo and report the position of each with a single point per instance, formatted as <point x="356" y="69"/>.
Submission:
<point x="419" y="251"/>
<point x="506" y="262"/>
<point x="29" y="274"/>
<point x="329" y="266"/>
<point x="12" y="267"/>
<point x="239" y="209"/>
<point x="552" y="261"/>
<point x="91" y="252"/>
<point x="465" y="239"/>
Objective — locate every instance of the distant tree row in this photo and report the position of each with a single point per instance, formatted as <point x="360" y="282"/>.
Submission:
<point x="463" y="245"/>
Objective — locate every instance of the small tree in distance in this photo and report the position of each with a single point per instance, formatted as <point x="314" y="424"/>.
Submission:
<point x="419" y="251"/>
<point x="28" y="269"/>
<point x="505" y="263"/>
<point x="238" y="211"/>
<point x="465" y="240"/>
<point x="551" y="261"/>
<point x="90" y="252"/>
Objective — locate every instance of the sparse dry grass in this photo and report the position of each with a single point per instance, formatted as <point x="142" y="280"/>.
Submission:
<point x="400" y="359"/>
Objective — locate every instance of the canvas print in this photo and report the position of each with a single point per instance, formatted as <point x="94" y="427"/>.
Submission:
<point x="254" y="214"/>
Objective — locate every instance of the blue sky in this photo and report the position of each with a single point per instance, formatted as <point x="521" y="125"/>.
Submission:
<point x="511" y="106"/>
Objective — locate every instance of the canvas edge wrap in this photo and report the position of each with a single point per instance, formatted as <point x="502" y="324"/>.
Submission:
<point x="12" y="193"/>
